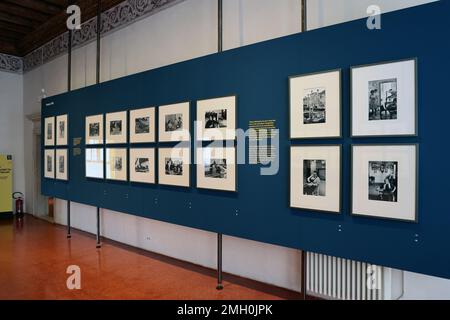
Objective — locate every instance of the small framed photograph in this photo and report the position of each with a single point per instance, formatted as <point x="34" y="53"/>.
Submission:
<point x="315" y="178"/>
<point x="49" y="131"/>
<point x="116" y="127"/>
<point x="174" y="164"/>
<point x="94" y="163"/>
<point x="142" y="125"/>
<point x="216" y="168"/>
<point x="142" y="165"/>
<point x="49" y="164"/>
<point x="62" y="129"/>
<point x="116" y="164"/>
<point x="385" y="181"/>
<point x="94" y="129"/>
<point x="217" y="119"/>
<point x="174" y="122"/>
<point x="315" y="105"/>
<point x="384" y="99"/>
<point x="61" y="164"/>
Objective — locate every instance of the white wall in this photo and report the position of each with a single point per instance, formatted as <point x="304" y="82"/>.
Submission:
<point x="183" y="32"/>
<point x="12" y="124"/>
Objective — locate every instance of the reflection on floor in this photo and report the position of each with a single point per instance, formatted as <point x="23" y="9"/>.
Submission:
<point x="34" y="258"/>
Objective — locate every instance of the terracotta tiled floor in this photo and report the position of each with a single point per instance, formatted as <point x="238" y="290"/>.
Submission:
<point x="34" y="259"/>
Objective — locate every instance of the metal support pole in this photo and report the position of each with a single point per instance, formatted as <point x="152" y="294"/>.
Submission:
<point x="99" y="245"/>
<point x="219" y="262"/>
<point x="304" y="273"/>
<point x="219" y="235"/>
<point x="304" y="16"/>
<point x="69" y="235"/>
<point x="99" y="20"/>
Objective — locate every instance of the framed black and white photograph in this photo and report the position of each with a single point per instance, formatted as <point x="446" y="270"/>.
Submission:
<point x="315" y="105"/>
<point x="142" y="165"/>
<point x="116" y="127"/>
<point x="174" y="164"/>
<point x="384" y="99"/>
<point x="385" y="181"/>
<point x="116" y="164"/>
<point x="62" y="128"/>
<point x="315" y="178"/>
<point x="62" y="164"/>
<point x="142" y="125"/>
<point x="94" y="163"/>
<point x="49" y="164"/>
<point x="174" y="122"/>
<point x="216" y="168"/>
<point x="217" y="119"/>
<point x="94" y="130"/>
<point x="49" y="131"/>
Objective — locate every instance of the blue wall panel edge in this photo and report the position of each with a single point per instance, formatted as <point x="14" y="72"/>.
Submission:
<point x="258" y="74"/>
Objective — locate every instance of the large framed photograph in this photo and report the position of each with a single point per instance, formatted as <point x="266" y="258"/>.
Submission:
<point x="116" y="127"/>
<point x="49" y="131"/>
<point x="49" y="164"/>
<point x="94" y="129"/>
<point x="142" y="165"/>
<point x="62" y="165"/>
<point x="174" y="122"/>
<point x="315" y="178"/>
<point x="315" y="105"/>
<point x="94" y="163"/>
<point x="142" y="125"/>
<point x="384" y="99"/>
<point x="385" y="181"/>
<point x="116" y="164"/>
<point x="173" y="166"/>
<point x="217" y="119"/>
<point x="62" y="128"/>
<point x="216" y="168"/>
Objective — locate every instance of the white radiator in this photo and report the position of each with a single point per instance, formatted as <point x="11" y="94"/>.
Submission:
<point x="336" y="278"/>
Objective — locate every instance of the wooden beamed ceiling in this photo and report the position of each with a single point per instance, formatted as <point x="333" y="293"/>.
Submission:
<point x="25" y="25"/>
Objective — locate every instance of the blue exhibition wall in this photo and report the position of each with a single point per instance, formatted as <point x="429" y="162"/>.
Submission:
<point x="258" y="75"/>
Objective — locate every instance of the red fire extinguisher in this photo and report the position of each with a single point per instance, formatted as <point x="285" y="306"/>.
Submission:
<point x="18" y="196"/>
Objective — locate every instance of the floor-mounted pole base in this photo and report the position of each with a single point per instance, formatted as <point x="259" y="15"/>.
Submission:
<point x="219" y="287"/>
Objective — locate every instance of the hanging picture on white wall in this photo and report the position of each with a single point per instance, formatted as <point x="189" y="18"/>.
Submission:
<point x="315" y="105"/>
<point x="216" y="168"/>
<point x="385" y="181"/>
<point x="174" y="122"/>
<point x="384" y="101"/>
<point x="174" y="164"/>
<point x="142" y="125"/>
<point x="62" y="128"/>
<point x="49" y="164"/>
<point x="94" y="163"/>
<point x="94" y="129"/>
<point x="61" y="164"/>
<point x="116" y="164"/>
<point x="116" y="127"/>
<point x="315" y="178"/>
<point x="49" y="131"/>
<point x="217" y="119"/>
<point x="142" y="165"/>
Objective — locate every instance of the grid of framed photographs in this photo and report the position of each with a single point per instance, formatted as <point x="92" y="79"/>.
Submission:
<point x="55" y="157"/>
<point x="135" y="161"/>
<point x="384" y="177"/>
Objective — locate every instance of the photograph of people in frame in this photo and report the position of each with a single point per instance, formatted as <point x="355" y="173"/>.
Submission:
<point x="49" y="131"/>
<point x="216" y="119"/>
<point x="216" y="168"/>
<point x="383" y="99"/>
<point x="118" y="164"/>
<point x="115" y="127"/>
<point x="49" y="163"/>
<point x="174" y="166"/>
<point x="383" y="181"/>
<point x="94" y="129"/>
<point x="174" y="122"/>
<point x="62" y="129"/>
<point x="61" y="164"/>
<point x="314" y="178"/>
<point x="142" y="165"/>
<point x="314" y="106"/>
